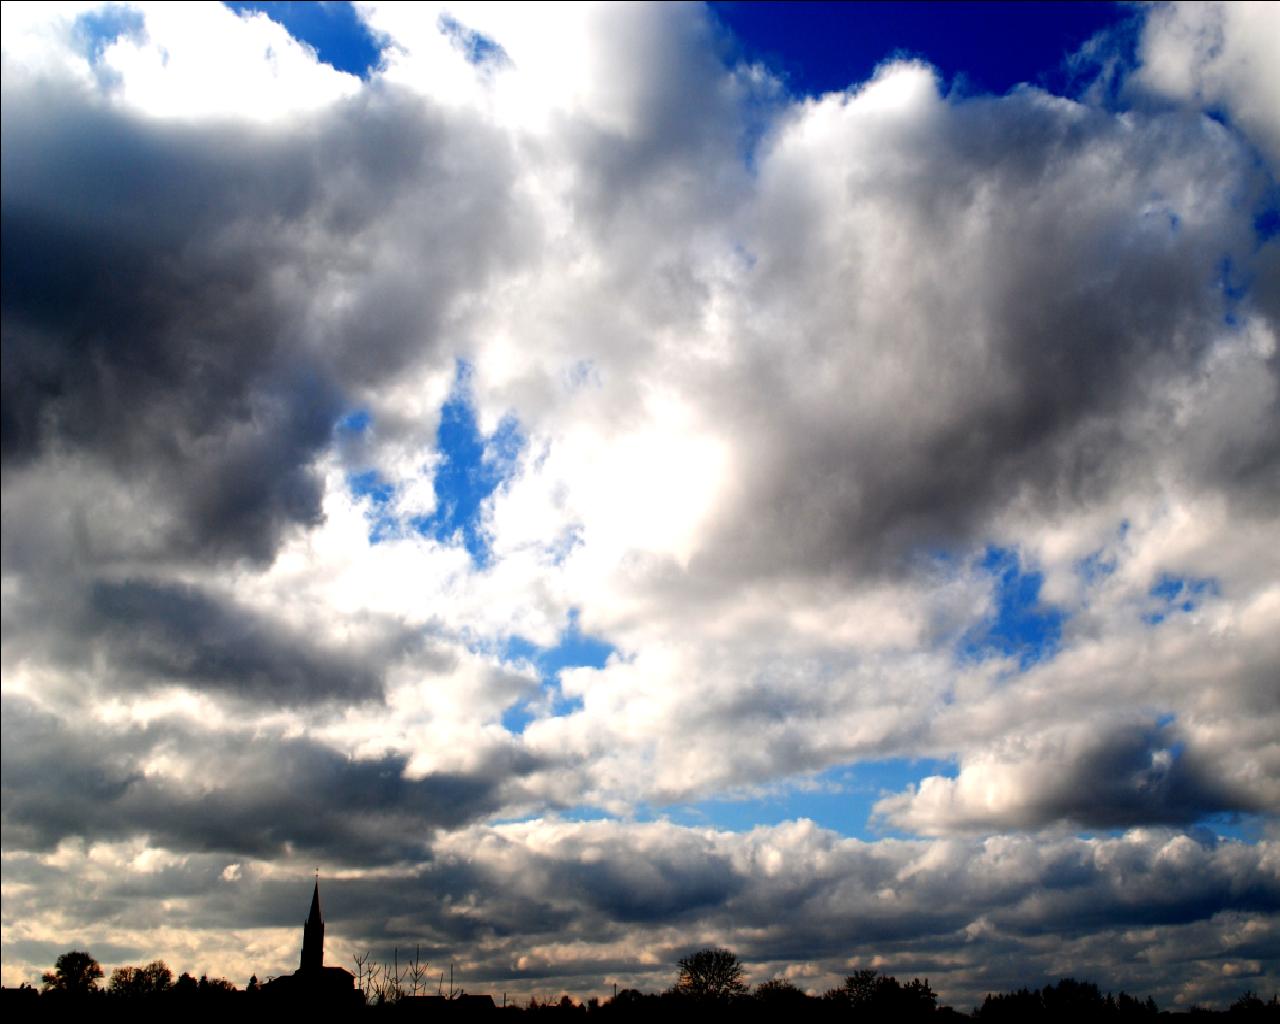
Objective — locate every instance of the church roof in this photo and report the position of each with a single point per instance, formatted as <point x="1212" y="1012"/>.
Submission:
<point x="315" y="904"/>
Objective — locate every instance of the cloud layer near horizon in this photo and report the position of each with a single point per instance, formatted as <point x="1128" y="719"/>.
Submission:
<point x="891" y="424"/>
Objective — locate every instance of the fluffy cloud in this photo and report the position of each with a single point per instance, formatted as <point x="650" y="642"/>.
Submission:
<point x="228" y="790"/>
<point x="885" y="424"/>
<point x="1215" y="56"/>
<point x="548" y="905"/>
<point x="1096" y="781"/>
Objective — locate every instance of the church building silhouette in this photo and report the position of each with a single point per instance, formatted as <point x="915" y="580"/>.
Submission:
<point x="313" y="981"/>
<point x="313" y="935"/>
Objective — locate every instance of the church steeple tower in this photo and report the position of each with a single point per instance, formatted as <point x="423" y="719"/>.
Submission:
<point x="313" y="935"/>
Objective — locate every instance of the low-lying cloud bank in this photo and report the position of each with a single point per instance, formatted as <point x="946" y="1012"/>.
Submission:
<point x="338" y="415"/>
<point x="551" y="905"/>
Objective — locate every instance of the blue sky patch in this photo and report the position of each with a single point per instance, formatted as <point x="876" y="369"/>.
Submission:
<point x="1175" y="594"/>
<point x="96" y="30"/>
<point x="825" y="47"/>
<point x="1242" y="827"/>
<point x="370" y="485"/>
<point x="471" y="468"/>
<point x="1096" y="567"/>
<point x="839" y="799"/>
<point x="355" y="422"/>
<point x="333" y="30"/>
<point x="1266" y="222"/>
<point x="1021" y="625"/>
<point x="573" y="649"/>
<point x="478" y="48"/>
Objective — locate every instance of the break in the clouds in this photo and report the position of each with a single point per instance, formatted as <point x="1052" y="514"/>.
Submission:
<point x="475" y="475"/>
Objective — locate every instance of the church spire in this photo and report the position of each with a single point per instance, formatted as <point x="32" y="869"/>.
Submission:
<point x="313" y="934"/>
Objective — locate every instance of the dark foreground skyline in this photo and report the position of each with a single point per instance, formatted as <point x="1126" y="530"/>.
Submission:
<point x="602" y="482"/>
<point x="710" y="984"/>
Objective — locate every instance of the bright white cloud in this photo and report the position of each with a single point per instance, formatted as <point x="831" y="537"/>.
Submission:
<point x="1217" y="56"/>
<point x="190" y="61"/>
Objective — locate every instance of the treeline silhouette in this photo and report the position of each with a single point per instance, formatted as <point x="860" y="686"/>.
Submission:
<point x="709" y="985"/>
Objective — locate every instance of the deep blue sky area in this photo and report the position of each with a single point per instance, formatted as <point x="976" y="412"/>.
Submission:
<point x="820" y="47"/>
<point x="332" y="29"/>
<point x="824" y="47"/>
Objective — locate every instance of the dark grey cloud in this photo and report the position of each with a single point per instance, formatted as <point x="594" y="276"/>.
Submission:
<point x="236" y="791"/>
<point x="162" y="286"/>
<point x="180" y="634"/>
<point x="1100" y="778"/>
<point x="1139" y="776"/>
<point x="135" y="636"/>
<point x="837" y="897"/>
<point x="615" y="883"/>
<point x="975" y="314"/>
<point x="1147" y="911"/>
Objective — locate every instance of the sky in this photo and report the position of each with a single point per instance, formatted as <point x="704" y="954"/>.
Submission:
<point x="596" y="482"/>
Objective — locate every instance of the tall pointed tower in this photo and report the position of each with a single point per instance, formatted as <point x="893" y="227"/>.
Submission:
<point x="313" y="936"/>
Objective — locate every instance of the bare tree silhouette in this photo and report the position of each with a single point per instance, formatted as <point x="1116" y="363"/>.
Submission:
<point x="361" y="973"/>
<point x="711" y="974"/>
<point x="453" y="993"/>
<point x="416" y="971"/>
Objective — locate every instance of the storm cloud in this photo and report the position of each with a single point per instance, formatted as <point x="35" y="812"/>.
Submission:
<point x="235" y="793"/>
<point x="191" y="305"/>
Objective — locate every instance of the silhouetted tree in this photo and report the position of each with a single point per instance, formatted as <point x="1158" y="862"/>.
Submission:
<point x="711" y="974"/>
<point x="779" y="994"/>
<point x="860" y="988"/>
<point x="1068" y="1000"/>
<point x="874" y="995"/>
<point x="156" y="977"/>
<point x="1072" y="1000"/>
<point x="1012" y="1006"/>
<point x="151" y="980"/>
<point x="1251" y="1007"/>
<point x="362" y="973"/>
<point x="416" y="972"/>
<point x="1131" y="1008"/>
<point x="917" y="997"/>
<point x="74" y="972"/>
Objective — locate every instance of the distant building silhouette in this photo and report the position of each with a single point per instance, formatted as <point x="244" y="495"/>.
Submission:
<point x="313" y="982"/>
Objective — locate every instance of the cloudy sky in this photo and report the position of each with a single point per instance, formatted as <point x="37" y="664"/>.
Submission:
<point x="602" y="481"/>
